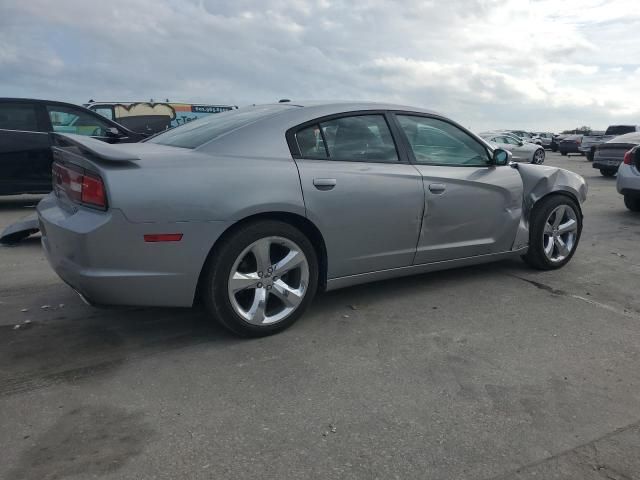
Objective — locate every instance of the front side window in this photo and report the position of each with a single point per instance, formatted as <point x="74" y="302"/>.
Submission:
<point x="18" y="116"/>
<point x="437" y="142"/>
<point x="72" y="120"/>
<point x="511" y="141"/>
<point x="359" y="138"/>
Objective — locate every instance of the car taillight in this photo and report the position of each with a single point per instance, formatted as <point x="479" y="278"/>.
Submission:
<point x="79" y="185"/>
<point x="628" y="158"/>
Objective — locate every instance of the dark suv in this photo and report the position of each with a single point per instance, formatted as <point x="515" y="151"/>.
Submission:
<point x="25" y="153"/>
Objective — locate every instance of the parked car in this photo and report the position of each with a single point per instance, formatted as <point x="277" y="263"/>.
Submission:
<point x="543" y="138"/>
<point x="258" y="208"/>
<point x="153" y="117"/>
<point x="25" y="145"/>
<point x="609" y="155"/>
<point x="525" y="136"/>
<point x="591" y="141"/>
<point x="628" y="182"/>
<point x="555" y="142"/>
<point x="521" y="151"/>
<point x="570" y="144"/>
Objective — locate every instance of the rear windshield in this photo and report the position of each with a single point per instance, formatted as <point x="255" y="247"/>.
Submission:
<point x="620" y="129"/>
<point x="199" y="132"/>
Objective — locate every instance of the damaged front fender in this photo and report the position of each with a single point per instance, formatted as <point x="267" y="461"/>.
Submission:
<point x="539" y="181"/>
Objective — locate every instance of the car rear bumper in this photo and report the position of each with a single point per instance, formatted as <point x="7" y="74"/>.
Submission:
<point x="628" y="181"/>
<point x="606" y="163"/>
<point x="103" y="256"/>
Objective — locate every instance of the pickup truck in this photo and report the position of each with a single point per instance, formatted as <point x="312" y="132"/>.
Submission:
<point x="590" y="142"/>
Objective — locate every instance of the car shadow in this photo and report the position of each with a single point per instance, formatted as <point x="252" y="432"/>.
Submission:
<point x="77" y="342"/>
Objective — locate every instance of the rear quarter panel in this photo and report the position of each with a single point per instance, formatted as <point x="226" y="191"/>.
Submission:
<point x="198" y="187"/>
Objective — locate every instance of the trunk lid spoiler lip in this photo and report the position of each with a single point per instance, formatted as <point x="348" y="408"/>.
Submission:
<point x="90" y="147"/>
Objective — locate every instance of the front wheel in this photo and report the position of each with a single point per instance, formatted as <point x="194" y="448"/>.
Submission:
<point x="632" y="202"/>
<point x="261" y="279"/>
<point x="555" y="226"/>
<point x="538" y="157"/>
<point x="607" y="172"/>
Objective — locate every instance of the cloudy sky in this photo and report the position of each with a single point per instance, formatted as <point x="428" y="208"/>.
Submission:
<point x="536" y="64"/>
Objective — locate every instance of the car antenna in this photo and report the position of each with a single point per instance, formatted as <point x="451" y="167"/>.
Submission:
<point x="284" y="100"/>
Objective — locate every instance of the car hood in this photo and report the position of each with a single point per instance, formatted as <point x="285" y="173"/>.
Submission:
<point x="541" y="180"/>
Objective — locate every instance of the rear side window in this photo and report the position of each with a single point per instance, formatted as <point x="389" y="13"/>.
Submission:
<point x="18" y="116"/>
<point x="198" y="132"/>
<point x="358" y="138"/>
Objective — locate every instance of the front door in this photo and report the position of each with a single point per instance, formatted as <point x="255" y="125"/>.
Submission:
<point x="471" y="206"/>
<point x="365" y="200"/>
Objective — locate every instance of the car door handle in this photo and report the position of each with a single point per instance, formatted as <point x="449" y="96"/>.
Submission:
<point x="437" y="187"/>
<point x="324" y="183"/>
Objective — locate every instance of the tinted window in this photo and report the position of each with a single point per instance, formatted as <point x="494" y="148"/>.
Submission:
<point x="311" y="143"/>
<point x="18" y="116"/>
<point x="73" y="120"/>
<point x="198" y="132"/>
<point x="510" y="141"/>
<point x="620" y="129"/>
<point x="440" y="143"/>
<point x="359" y="138"/>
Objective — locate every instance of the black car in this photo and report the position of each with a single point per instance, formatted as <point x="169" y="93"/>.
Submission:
<point x="25" y="153"/>
<point x="555" y="142"/>
<point x="570" y="144"/>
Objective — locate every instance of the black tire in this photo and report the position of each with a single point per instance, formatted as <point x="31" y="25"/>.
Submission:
<point x="632" y="202"/>
<point x="607" y="172"/>
<point x="218" y="268"/>
<point x="536" y="257"/>
<point x="564" y="154"/>
<point x="590" y="155"/>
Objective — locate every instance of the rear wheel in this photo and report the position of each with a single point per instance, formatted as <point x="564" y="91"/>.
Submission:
<point x="538" y="157"/>
<point x="261" y="278"/>
<point x="555" y="226"/>
<point x="632" y="202"/>
<point x="607" y="172"/>
<point x="564" y="154"/>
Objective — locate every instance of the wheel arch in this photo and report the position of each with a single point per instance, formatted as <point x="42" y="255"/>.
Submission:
<point x="306" y="226"/>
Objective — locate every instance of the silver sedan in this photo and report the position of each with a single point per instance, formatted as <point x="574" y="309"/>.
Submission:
<point x="522" y="151"/>
<point x="628" y="181"/>
<point x="255" y="210"/>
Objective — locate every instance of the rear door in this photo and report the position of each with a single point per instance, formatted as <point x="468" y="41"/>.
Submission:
<point x="471" y="206"/>
<point x="357" y="189"/>
<point x="24" y="149"/>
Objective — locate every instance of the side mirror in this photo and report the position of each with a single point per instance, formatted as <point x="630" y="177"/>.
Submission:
<point x="112" y="132"/>
<point x="501" y="157"/>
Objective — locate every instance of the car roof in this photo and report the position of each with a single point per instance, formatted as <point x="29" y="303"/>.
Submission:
<point x="633" y="137"/>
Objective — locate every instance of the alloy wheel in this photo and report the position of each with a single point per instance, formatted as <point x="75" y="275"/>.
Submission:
<point x="560" y="233"/>
<point x="538" y="157"/>
<point x="268" y="280"/>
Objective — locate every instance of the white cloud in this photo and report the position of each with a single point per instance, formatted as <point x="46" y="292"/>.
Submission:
<point x="488" y="63"/>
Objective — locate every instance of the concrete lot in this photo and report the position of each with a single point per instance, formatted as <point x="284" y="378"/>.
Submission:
<point x="489" y="372"/>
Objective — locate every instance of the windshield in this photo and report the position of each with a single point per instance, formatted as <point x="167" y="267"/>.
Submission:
<point x="199" y="132"/>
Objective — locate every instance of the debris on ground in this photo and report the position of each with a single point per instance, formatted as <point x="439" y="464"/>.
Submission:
<point x="24" y="310"/>
<point x="16" y="327"/>
<point x="45" y="307"/>
<point x="353" y="307"/>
